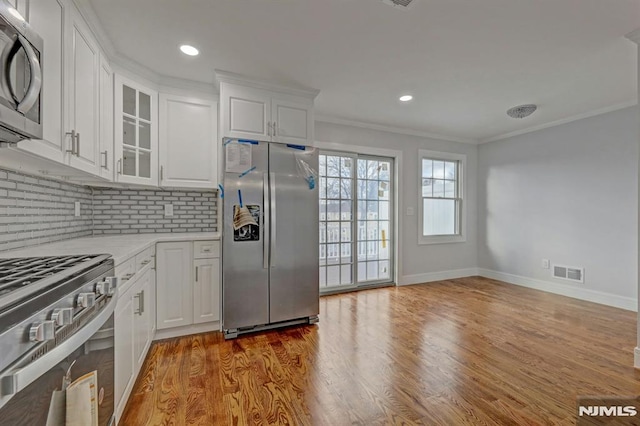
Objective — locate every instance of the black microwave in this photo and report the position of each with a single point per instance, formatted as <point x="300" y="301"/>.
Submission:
<point x="20" y="78"/>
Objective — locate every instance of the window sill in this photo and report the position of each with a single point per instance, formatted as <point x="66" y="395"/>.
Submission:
<point x="442" y="239"/>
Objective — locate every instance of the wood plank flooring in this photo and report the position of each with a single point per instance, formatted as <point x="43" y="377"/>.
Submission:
<point x="467" y="351"/>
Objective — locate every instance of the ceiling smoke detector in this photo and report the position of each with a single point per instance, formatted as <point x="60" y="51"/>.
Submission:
<point x="400" y="4"/>
<point x="521" y="111"/>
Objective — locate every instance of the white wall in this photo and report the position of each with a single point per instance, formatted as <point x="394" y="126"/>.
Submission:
<point x="569" y="194"/>
<point x="419" y="263"/>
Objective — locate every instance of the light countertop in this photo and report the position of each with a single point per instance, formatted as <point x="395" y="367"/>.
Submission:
<point x="121" y="247"/>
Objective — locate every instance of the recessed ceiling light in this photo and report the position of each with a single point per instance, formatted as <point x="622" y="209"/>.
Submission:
<point x="521" y="111"/>
<point x="405" y="98"/>
<point x="189" y="50"/>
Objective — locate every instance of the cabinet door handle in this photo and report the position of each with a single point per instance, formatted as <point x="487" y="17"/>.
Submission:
<point x="105" y="157"/>
<point x="161" y="173"/>
<point x="120" y="166"/>
<point x="73" y="142"/>
<point x="196" y="274"/>
<point x="127" y="277"/>
<point x="78" y="144"/>
<point x="274" y="127"/>
<point x="140" y="297"/>
<point x="268" y="128"/>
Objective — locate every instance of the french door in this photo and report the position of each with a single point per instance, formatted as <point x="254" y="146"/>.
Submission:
<point x="356" y="221"/>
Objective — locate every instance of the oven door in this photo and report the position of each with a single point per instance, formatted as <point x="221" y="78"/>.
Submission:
<point x="20" y="79"/>
<point x="35" y="392"/>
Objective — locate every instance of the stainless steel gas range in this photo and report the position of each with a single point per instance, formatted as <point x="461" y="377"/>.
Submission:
<point x="57" y="340"/>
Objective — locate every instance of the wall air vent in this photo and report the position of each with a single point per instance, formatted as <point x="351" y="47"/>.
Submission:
<point x="568" y="273"/>
<point x="400" y="4"/>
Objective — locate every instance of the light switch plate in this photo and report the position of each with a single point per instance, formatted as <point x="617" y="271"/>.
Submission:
<point x="168" y="210"/>
<point x="410" y="211"/>
<point x="77" y="208"/>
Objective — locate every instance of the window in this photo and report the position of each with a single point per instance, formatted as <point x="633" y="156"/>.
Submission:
<point x="442" y="215"/>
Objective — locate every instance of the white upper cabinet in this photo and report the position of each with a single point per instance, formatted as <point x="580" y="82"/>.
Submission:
<point x="246" y="112"/>
<point x="83" y="128"/>
<point x="106" y="120"/>
<point x="188" y="142"/>
<point x="48" y="17"/>
<point x="136" y="132"/>
<point x="292" y="121"/>
<point x="250" y="109"/>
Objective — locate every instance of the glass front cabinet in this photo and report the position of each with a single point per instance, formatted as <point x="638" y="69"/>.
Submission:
<point x="136" y="132"/>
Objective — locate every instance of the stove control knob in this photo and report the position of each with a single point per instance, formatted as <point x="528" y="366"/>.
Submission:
<point x="107" y="287"/>
<point x="86" y="300"/>
<point x="42" y="331"/>
<point x="62" y="316"/>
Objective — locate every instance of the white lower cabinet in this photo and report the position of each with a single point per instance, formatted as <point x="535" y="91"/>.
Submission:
<point x="134" y="324"/>
<point x="188" y="283"/>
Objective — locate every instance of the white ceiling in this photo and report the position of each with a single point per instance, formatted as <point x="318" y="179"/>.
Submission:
<point x="465" y="61"/>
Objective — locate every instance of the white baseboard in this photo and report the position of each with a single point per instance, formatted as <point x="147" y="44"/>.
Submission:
<point x="170" y="333"/>
<point x="437" y="276"/>
<point x="609" y="299"/>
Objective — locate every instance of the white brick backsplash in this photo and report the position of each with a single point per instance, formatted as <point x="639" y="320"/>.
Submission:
<point x="35" y="210"/>
<point x="141" y="211"/>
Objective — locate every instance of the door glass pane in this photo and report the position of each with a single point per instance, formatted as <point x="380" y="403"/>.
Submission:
<point x="337" y="223"/>
<point x="129" y="131"/>
<point x="145" y="135"/>
<point x="333" y="276"/>
<point x="129" y="162"/>
<point x="128" y="100"/>
<point x="360" y="241"/>
<point x="145" y="106"/>
<point x="145" y="164"/>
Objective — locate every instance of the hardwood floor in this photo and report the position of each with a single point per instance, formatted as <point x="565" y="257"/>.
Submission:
<point x="466" y="351"/>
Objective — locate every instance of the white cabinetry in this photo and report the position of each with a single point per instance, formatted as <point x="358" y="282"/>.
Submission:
<point x="256" y="110"/>
<point x="106" y="119"/>
<point x="188" y="143"/>
<point x="136" y="132"/>
<point x="188" y="283"/>
<point x="134" y="322"/>
<point x="48" y="17"/>
<point x="174" y="285"/>
<point x="71" y="88"/>
<point x="84" y="88"/>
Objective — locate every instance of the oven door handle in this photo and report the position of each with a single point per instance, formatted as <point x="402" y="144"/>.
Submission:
<point x="19" y="379"/>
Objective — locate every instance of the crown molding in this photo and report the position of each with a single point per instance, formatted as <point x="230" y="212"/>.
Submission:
<point x="257" y="83"/>
<point x="634" y="36"/>
<point x="392" y="129"/>
<point x="561" y="121"/>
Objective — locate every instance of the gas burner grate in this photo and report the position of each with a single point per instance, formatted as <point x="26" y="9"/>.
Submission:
<point x="21" y="272"/>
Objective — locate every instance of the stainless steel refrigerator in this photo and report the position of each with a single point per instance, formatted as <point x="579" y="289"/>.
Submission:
<point x="270" y="265"/>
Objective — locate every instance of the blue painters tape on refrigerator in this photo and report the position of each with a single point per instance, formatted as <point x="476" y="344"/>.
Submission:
<point x="246" y="172"/>
<point x="300" y="147"/>
<point x="240" y="197"/>
<point x="221" y="190"/>
<point x="251" y="141"/>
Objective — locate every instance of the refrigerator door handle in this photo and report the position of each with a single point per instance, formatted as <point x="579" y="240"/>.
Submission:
<point x="272" y="219"/>
<point x="266" y="222"/>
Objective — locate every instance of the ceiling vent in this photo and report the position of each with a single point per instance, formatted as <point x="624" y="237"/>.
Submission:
<point x="399" y="4"/>
<point x="568" y="273"/>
